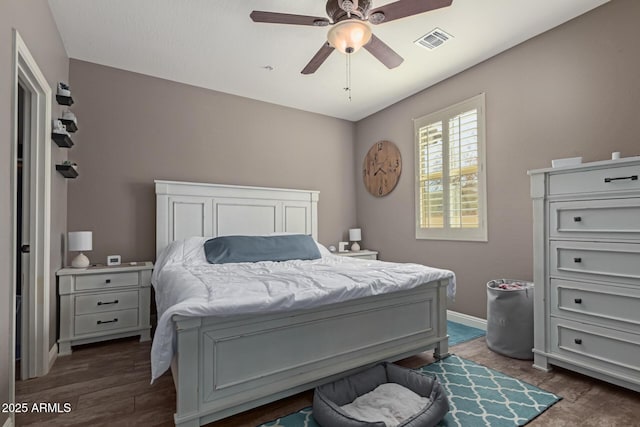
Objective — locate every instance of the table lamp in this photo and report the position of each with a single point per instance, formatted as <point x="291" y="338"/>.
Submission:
<point x="355" y="235"/>
<point x="80" y="241"/>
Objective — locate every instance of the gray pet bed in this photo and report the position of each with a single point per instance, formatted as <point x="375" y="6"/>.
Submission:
<point x="328" y="398"/>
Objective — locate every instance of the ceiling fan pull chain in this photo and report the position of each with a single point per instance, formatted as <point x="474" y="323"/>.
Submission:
<point x="348" y="77"/>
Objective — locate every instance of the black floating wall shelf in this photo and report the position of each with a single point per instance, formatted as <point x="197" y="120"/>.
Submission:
<point x="64" y="100"/>
<point x="62" y="140"/>
<point x="67" y="171"/>
<point x="70" y="125"/>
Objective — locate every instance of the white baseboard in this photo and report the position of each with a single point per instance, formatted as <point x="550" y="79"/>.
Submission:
<point x="467" y="320"/>
<point x="8" y="423"/>
<point x="53" y="355"/>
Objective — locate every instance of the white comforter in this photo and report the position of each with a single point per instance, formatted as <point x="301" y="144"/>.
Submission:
<point x="186" y="284"/>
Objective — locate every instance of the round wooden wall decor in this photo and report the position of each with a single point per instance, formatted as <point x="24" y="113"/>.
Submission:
<point x="381" y="168"/>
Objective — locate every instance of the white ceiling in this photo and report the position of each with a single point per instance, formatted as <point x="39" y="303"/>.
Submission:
<point x="215" y="45"/>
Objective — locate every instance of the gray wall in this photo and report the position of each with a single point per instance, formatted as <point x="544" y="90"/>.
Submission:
<point x="135" y="128"/>
<point x="33" y="20"/>
<point x="572" y="91"/>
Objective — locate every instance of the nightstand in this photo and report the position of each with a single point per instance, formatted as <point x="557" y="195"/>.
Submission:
<point x="103" y="303"/>
<point x="363" y="254"/>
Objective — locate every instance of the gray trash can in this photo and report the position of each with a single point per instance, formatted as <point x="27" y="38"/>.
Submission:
<point x="510" y="318"/>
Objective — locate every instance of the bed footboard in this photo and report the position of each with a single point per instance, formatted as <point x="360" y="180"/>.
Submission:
<point x="226" y="366"/>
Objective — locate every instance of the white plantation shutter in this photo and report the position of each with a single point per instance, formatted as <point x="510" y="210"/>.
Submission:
<point x="463" y="170"/>
<point x="431" y="168"/>
<point x="450" y="182"/>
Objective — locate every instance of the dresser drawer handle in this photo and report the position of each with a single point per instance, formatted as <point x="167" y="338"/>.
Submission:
<point x="577" y="341"/>
<point x="100" y="322"/>
<point x="108" y="281"/>
<point x="578" y="300"/>
<point x="577" y="218"/>
<point x="107" y="303"/>
<point x="632" y="178"/>
<point x="577" y="259"/>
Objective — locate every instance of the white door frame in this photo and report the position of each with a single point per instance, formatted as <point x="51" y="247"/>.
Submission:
<point x="27" y="72"/>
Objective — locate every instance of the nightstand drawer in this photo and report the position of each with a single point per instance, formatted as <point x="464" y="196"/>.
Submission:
<point x="98" y="303"/>
<point x="362" y="254"/>
<point x="108" y="280"/>
<point x="93" y="323"/>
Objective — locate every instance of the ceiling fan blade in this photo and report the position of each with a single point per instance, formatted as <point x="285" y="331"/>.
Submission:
<point x="286" y="18"/>
<point x="383" y="52"/>
<point x="404" y="8"/>
<point x="318" y="59"/>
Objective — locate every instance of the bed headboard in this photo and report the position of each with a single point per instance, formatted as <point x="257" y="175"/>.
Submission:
<point x="186" y="209"/>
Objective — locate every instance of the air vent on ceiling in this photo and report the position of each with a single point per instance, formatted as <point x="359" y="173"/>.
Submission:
<point x="433" y="39"/>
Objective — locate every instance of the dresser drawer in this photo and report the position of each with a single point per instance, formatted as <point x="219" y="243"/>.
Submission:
<point x="603" y="349"/>
<point x="107" y="280"/>
<point x="607" y="305"/>
<point x="612" y="262"/>
<point x="112" y="301"/>
<point x="595" y="180"/>
<point x="615" y="219"/>
<point x="95" y="323"/>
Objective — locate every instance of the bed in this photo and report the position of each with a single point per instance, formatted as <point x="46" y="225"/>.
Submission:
<point x="226" y="363"/>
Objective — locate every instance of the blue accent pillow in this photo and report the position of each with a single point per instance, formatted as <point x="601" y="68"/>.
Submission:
<point x="228" y="249"/>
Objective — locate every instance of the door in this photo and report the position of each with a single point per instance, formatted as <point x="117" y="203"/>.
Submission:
<point x="22" y="231"/>
<point x="30" y="216"/>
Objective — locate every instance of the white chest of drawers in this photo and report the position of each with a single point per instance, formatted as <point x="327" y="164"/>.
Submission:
<point x="586" y="222"/>
<point x="103" y="303"/>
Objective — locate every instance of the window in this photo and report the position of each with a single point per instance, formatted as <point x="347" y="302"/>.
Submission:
<point x="450" y="173"/>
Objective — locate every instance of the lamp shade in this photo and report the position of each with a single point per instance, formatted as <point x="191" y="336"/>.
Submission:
<point x="350" y="34"/>
<point x="80" y="241"/>
<point x="355" y="234"/>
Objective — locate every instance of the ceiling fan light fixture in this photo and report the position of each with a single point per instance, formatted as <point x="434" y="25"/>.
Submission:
<point x="349" y="35"/>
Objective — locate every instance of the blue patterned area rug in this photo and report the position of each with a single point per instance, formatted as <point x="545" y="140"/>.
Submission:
<point x="459" y="333"/>
<point x="478" y="396"/>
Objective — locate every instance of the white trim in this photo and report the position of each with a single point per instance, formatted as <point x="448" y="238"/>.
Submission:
<point x="53" y="355"/>
<point x="480" y="234"/>
<point x="467" y="320"/>
<point x="9" y="422"/>
<point x="26" y="70"/>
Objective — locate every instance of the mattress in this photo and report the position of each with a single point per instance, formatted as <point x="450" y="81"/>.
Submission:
<point x="186" y="284"/>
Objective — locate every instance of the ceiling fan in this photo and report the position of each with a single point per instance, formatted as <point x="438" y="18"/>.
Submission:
<point x="349" y="31"/>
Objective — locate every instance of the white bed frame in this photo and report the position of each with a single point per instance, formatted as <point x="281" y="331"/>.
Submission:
<point x="224" y="366"/>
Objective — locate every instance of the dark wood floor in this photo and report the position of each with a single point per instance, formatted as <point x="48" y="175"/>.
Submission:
<point x="108" y="385"/>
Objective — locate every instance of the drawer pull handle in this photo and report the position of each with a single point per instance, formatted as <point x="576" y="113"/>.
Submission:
<point x="107" y="303"/>
<point x="578" y="300"/>
<point x="577" y="259"/>
<point x="577" y="341"/>
<point x="632" y="178"/>
<point x="100" y="322"/>
<point x="577" y="218"/>
<point x="108" y="281"/>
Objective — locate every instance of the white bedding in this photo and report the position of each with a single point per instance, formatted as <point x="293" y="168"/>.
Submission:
<point x="186" y="284"/>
